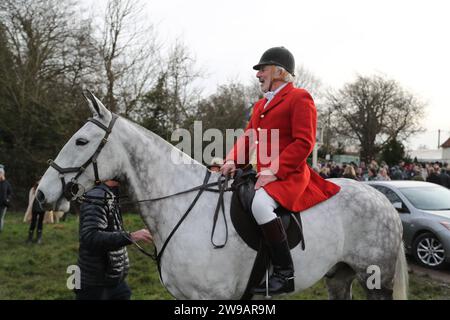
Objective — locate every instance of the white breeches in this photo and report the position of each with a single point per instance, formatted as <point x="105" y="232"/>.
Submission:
<point x="263" y="207"/>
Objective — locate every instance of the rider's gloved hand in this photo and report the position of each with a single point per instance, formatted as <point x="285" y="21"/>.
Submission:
<point x="228" y="168"/>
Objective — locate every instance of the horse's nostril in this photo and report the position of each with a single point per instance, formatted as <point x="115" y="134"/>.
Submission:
<point x="40" y="196"/>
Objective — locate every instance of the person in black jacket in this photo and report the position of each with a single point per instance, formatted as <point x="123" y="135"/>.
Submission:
<point x="5" y="196"/>
<point x="444" y="178"/>
<point x="103" y="258"/>
<point x="37" y="217"/>
<point x="433" y="176"/>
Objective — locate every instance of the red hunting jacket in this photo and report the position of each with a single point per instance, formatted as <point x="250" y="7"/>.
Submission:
<point x="293" y="113"/>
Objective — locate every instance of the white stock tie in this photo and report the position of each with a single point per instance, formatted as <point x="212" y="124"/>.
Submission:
<point x="269" y="96"/>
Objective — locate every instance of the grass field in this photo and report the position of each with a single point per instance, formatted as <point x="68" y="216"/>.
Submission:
<point x="29" y="272"/>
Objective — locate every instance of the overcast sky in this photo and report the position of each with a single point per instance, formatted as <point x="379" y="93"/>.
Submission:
<point x="406" y="40"/>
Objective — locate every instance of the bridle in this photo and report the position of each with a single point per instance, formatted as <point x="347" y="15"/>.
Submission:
<point x="72" y="190"/>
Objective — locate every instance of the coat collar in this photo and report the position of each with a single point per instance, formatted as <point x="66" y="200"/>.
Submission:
<point x="105" y="188"/>
<point x="279" y="97"/>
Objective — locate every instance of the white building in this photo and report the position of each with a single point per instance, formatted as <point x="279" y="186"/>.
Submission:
<point x="425" y="155"/>
<point x="446" y="150"/>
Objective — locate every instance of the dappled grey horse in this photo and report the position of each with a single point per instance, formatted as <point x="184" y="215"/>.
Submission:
<point x="356" y="234"/>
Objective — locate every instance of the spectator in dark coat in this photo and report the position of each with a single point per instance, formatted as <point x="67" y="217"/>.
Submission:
<point x="5" y="196"/>
<point x="444" y="178"/>
<point x="433" y="176"/>
<point x="103" y="258"/>
<point x="335" y="172"/>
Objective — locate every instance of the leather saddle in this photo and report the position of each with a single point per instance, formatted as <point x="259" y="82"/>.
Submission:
<point x="245" y="225"/>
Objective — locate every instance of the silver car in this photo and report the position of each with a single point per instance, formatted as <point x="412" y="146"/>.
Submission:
<point x="424" y="209"/>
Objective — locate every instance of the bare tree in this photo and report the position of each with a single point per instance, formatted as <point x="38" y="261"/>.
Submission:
<point x="173" y="100"/>
<point x="307" y="80"/>
<point x="373" y="111"/>
<point x="181" y="72"/>
<point x="48" y="62"/>
<point x="45" y="56"/>
<point x="128" y="50"/>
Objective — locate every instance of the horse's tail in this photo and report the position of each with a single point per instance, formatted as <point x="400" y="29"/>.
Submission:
<point x="401" y="276"/>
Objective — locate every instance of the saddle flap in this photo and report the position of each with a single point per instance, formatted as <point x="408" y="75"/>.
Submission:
<point x="244" y="187"/>
<point x="241" y="215"/>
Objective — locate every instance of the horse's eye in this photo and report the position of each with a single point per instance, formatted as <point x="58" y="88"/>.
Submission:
<point x="82" y="142"/>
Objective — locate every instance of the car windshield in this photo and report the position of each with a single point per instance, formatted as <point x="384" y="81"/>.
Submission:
<point x="433" y="198"/>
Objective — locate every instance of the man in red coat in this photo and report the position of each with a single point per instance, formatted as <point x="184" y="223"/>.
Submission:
<point x="282" y="130"/>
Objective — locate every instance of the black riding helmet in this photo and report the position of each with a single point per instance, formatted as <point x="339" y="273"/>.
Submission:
<point x="278" y="56"/>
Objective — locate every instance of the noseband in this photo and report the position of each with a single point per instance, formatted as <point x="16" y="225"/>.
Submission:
<point x="71" y="189"/>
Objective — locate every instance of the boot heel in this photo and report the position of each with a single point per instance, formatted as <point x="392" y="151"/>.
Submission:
<point x="289" y="286"/>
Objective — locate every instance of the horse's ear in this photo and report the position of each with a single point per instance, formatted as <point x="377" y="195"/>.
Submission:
<point x="97" y="108"/>
<point x="93" y="106"/>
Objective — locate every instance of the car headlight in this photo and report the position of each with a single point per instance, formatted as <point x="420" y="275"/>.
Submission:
<point x="446" y="224"/>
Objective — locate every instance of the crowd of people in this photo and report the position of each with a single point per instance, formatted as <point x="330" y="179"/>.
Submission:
<point x="436" y="172"/>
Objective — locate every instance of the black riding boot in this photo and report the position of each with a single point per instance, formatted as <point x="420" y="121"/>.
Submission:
<point x="282" y="278"/>
<point x="39" y="237"/>
<point x="30" y="236"/>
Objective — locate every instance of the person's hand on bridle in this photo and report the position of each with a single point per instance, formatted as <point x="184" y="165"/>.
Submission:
<point x="143" y="235"/>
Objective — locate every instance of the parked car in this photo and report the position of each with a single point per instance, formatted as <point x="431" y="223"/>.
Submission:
<point x="424" y="209"/>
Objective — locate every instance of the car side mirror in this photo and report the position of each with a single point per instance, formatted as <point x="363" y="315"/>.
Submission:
<point x="400" y="206"/>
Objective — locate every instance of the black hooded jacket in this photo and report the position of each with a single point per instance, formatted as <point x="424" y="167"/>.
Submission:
<point x="5" y="193"/>
<point x="103" y="257"/>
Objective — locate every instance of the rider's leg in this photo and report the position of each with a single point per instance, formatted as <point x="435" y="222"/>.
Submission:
<point x="282" y="278"/>
<point x="263" y="207"/>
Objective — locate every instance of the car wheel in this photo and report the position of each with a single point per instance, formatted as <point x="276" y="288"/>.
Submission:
<point x="429" y="251"/>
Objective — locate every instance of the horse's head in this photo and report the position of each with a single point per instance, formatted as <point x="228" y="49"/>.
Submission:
<point x="85" y="160"/>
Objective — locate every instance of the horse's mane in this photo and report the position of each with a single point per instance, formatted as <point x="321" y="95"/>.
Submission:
<point x="162" y="142"/>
